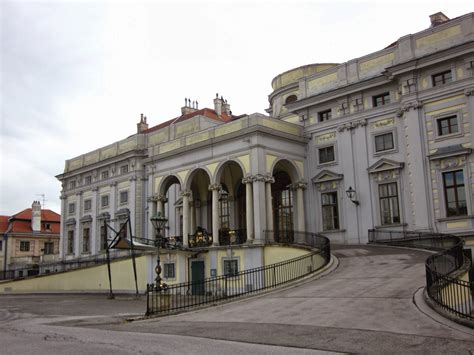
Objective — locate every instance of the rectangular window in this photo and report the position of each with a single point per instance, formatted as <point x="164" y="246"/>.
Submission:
<point x="1" y="245"/>
<point x="442" y="78"/>
<point x="326" y="154"/>
<point x="104" y="200"/>
<point x="455" y="193"/>
<point x="388" y="197"/>
<point x="380" y="100"/>
<point x="88" y="180"/>
<point x="86" y="240"/>
<point x="124" y="197"/>
<point x="72" y="184"/>
<point x="87" y="205"/>
<point x="168" y="271"/>
<point x="384" y="142"/>
<point x="447" y="125"/>
<point x="324" y="115"/>
<point x="105" y="175"/>
<point x="72" y="208"/>
<point x="330" y="211"/>
<point x="231" y="267"/>
<point x="70" y="241"/>
<point x="24" y="246"/>
<point x="103" y="237"/>
<point x="124" y="169"/>
<point x="47" y="226"/>
<point x="48" y="248"/>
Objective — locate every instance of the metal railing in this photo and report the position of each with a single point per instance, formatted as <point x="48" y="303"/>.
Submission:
<point x="63" y="265"/>
<point x="232" y="236"/>
<point x="443" y="269"/>
<point x="236" y="284"/>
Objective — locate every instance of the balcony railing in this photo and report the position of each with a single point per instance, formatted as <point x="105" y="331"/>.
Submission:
<point x="233" y="236"/>
<point x="207" y="291"/>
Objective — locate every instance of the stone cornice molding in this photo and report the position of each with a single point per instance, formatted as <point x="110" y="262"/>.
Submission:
<point x="414" y="105"/>
<point x="352" y="125"/>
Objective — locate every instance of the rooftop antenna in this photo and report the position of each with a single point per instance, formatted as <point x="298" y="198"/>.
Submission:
<point x="43" y="199"/>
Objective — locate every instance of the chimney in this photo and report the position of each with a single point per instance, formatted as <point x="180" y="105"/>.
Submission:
<point x="226" y="107"/>
<point x="142" y="125"/>
<point x="36" y="216"/>
<point x="189" y="107"/>
<point x="438" y="19"/>
<point x="218" y="104"/>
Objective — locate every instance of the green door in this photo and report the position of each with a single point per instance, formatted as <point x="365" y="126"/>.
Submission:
<point x="197" y="277"/>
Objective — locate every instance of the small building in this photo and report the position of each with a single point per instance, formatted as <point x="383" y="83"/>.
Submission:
<point x="28" y="239"/>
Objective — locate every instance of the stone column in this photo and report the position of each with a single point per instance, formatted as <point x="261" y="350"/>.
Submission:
<point x="215" y="188"/>
<point x="63" y="233"/>
<point x="78" y="226"/>
<point x="95" y="230"/>
<point x="249" y="207"/>
<point x="258" y="208"/>
<point x="151" y="212"/>
<point x="269" y="180"/>
<point x="300" y="222"/>
<point x="192" y="219"/>
<point x="185" y="195"/>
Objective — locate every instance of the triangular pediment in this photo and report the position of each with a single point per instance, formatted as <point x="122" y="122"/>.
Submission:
<point x="384" y="165"/>
<point x="326" y="175"/>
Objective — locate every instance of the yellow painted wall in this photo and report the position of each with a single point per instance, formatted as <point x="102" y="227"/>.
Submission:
<point x="93" y="279"/>
<point x="276" y="254"/>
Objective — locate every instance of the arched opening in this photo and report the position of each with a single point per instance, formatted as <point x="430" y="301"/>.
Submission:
<point x="285" y="174"/>
<point x="232" y="218"/>
<point x="290" y="99"/>
<point x="200" y="208"/>
<point x="169" y="205"/>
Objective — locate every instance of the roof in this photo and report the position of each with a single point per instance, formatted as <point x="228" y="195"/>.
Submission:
<point x="3" y="224"/>
<point x="21" y="222"/>
<point x="207" y="112"/>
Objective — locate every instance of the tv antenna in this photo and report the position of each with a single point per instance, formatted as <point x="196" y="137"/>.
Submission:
<point x="43" y="200"/>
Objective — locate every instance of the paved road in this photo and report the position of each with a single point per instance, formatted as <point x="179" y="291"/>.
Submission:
<point x="366" y="305"/>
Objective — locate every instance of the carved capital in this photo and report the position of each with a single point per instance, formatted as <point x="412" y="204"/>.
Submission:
<point x="469" y="92"/>
<point x="215" y="187"/>
<point x="161" y="198"/>
<point x="269" y="179"/>
<point x="151" y="199"/>
<point x="185" y="193"/>
<point x="299" y="185"/>
<point x="247" y="180"/>
<point x="113" y="184"/>
<point x="258" y="178"/>
<point x="352" y="125"/>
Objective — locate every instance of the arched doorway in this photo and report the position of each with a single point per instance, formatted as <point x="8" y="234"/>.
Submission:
<point x="232" y="200"/>
<point x="200" y="208"/>
<point x="169" y="204"/>
<point x="284" y="201"/>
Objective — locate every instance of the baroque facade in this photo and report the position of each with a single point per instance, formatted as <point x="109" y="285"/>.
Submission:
<point x="381" y="141"/>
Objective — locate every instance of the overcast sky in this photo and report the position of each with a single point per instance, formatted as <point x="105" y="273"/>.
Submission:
<point x="76" y="75"/>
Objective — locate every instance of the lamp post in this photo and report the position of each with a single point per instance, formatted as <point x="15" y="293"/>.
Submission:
<point x="159" y="223"/>
<point x="351" y="193"/>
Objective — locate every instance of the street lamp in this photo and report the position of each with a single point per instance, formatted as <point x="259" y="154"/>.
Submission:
<point x="351" y="193"/>
<point x="159" y="223"/>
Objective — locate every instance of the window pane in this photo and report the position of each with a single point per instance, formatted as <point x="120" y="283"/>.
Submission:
<point x="459" y="177"/>
<point x="448" y="179"/>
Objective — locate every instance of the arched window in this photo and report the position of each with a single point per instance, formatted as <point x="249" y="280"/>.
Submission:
<point x="290" y="99"/>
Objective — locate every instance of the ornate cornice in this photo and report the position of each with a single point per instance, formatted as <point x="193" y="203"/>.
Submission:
<point x="415" y="105"/>
<point x="352" y="125"/>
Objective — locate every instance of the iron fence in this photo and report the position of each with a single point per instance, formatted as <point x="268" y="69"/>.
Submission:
<point x="195" y="293"/>
<point x="63" y="265"/>
<point x="444" y="269"/>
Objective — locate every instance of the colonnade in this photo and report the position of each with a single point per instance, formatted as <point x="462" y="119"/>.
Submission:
<point x="156" y="204"/>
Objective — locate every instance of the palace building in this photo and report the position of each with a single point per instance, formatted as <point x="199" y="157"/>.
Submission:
<point x="379" y="142"/>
